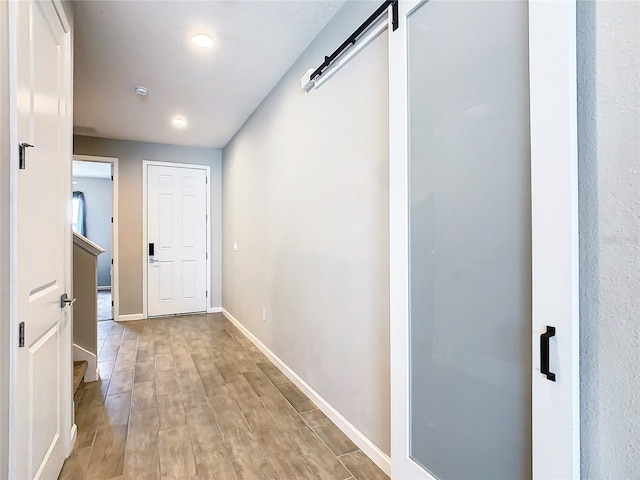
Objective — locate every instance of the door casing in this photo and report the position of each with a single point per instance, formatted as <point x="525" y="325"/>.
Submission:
<point x="115" y="276"/>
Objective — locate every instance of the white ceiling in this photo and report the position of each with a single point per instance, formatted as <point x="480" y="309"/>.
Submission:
<point x="91" y="169"/>
<point x="122" y="44"/>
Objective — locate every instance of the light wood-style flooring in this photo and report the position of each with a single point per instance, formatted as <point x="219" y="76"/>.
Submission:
<point x="191" y="398"/>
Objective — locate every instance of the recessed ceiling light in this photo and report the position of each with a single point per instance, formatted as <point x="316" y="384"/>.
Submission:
<point x="202" y="40"/>
<point x="140" y="90"/>
<point x="179" y="122"/>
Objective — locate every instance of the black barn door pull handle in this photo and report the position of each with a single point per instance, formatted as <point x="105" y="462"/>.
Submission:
<point x="544" y="353"/>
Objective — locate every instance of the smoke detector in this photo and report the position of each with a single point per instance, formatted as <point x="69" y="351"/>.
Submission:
<point x="142" y="91"/>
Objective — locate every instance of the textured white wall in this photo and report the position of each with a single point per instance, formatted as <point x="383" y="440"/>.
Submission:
<point x="609" y="156"/>
<point x="305" y="195"/>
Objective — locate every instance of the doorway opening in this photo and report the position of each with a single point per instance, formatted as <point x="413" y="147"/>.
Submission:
<point x="95" y="216"/>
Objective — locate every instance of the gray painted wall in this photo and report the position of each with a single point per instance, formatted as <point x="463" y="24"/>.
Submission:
<point x="609" y="171"/>
<point x="130" y="156"/>
<point x="97" y="194"/>
<point x="306" y="197"/>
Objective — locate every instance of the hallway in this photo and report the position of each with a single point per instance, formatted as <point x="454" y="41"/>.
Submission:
<point x="192" y="398"/>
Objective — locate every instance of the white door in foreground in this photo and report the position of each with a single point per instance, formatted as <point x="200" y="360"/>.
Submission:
<point x="483" y="240"/>
<point x="42" y="409"/>
<point x="177" y="240"/>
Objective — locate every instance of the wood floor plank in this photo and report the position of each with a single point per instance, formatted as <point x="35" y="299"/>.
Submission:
<point x="229" y="371"/>
<point x="362" y="467"/>
<point x="94" y="393"/>
<point x="285" y="417"/>
<point x="144" y="371"/>
<point x="331" y="435"/>
<point x="248" y="460"/>
<point x="142" y="457"/>
<point x="194" y="400"/>
<point x="116" y="408"/>
<point x="88" y="419"/>
<point x="143" y="429"/>
<point x="130" y="332"/>
<point x="171" y="411"/>
<point x="145" y="352"/>
<point x="125" y="361"/>
<point x="108" y="352"/>
<point x="162" y="345"/>
<point x="260" y="384"/>
<point x="107" y="454"/>
<point x="144" y="395"/>
<point x="259" y="419"/>
<point x="296" y="398"/>
<point x="167" y="383"/>
<point x="191" y="384"/>
<point x="121" y="382"/>
<point x="76" y="467"/>
<point x="106" y="368"/>
<point x="244" y="395"/>
<point x="272" y="372"/>
<point x="228" y="414"/>
<point x="282" y="456"/>
<point x="212" y="458"/>
<point x="177" y="460"/>
<point x="211" y="381"/>
<point x="164" y="361"/>
<point x="319" y="459"/>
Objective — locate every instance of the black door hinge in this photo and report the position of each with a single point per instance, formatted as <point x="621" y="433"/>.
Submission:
<point x="21" y="334"/>
<point x="112" y="303"/>
<point x="111" y="219"/>
<point x="22" y="154"/>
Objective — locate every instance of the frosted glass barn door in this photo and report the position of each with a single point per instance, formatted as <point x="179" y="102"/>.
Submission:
<point x="483" y="240"/>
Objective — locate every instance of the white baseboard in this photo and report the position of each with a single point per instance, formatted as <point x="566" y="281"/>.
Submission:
<point x="380" y="458"/>
<point x="80" y="354"/>
<point x="131" y="317"/>
<point x="214" y="309"/>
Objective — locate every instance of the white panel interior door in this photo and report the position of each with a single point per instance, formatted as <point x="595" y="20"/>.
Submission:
<point x="483" y="240"/>
<point x="43" y="393"/>
<point x="177" y="237"/>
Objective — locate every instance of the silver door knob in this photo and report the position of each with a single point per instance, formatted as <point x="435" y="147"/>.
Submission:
<point x="65" y="300"/>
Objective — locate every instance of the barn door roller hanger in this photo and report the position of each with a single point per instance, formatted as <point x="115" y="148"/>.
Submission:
<point x="359" y="39"/>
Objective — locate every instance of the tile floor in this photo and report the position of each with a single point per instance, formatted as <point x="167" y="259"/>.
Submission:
<point x="105" y="310"/>
<point x="192" y="398"/>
